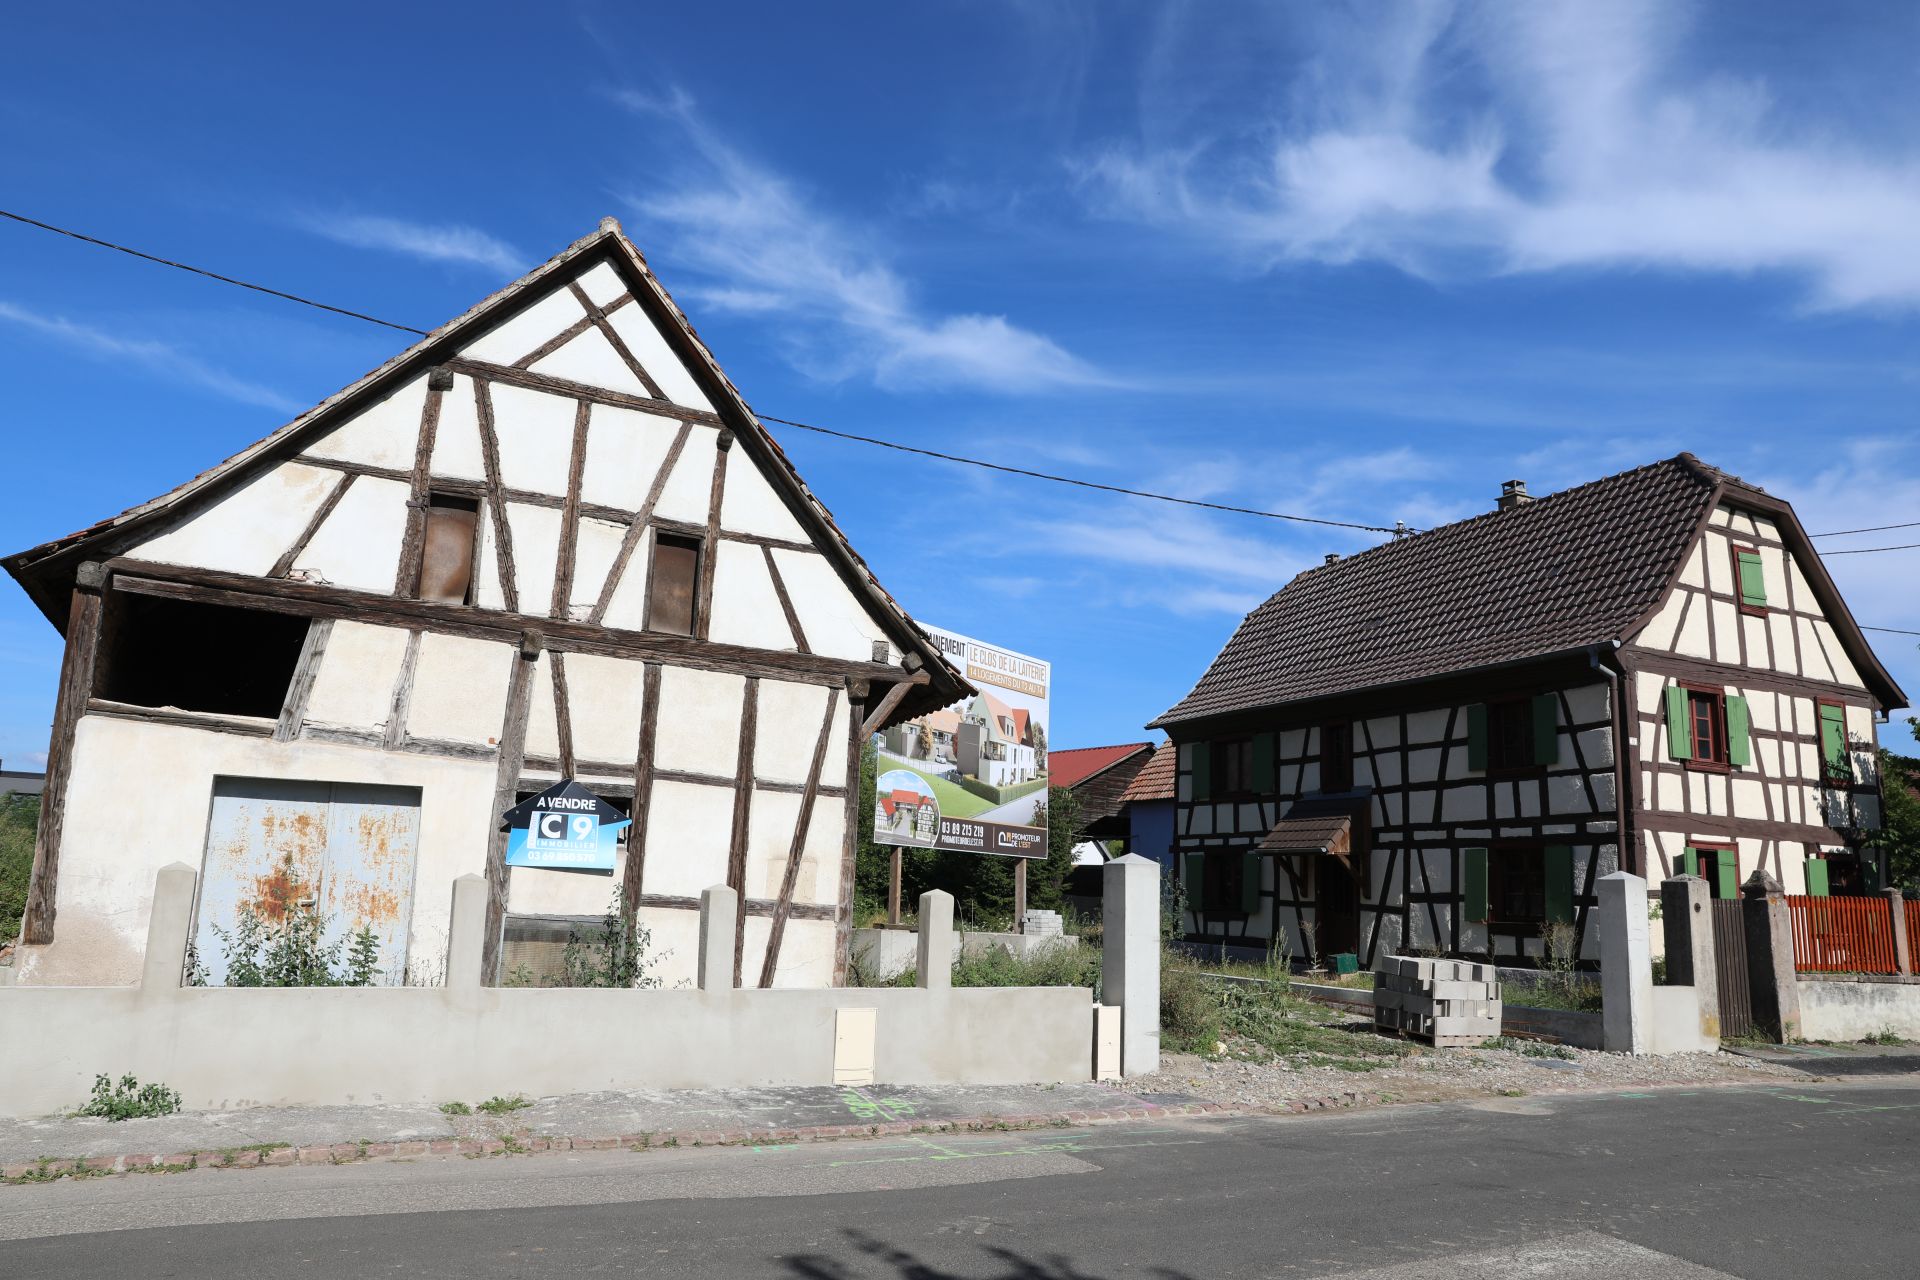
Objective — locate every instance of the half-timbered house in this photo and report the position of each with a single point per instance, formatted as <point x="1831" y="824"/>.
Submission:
<point x="1440" y="743"/>
<point x="548" y="541"/>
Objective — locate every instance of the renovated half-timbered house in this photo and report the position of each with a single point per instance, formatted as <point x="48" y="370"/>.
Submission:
<point x="1440" y="743"/>
<point x="548" y="541"/>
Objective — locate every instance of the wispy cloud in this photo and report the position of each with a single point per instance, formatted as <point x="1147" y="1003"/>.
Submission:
<point x="448" y="243"/>
<point x="1476" y="138"/>
<point x="158" y="358"/>
<point x="840" y="306"/>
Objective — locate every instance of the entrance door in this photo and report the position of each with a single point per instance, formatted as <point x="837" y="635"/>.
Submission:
<point x="346" y="849"/>
<point x="1336" y="907"/>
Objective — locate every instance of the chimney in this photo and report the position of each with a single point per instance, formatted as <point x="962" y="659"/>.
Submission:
<point x="1332" y="556"/>
<point x="1513" y="494"/>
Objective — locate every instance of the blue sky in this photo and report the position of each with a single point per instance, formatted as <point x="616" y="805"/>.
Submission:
<point x="1300" y="258"/>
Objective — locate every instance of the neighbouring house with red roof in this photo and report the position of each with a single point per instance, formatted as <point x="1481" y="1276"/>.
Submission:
<point x="1441" y="743"/>
<point x="1098" y="777"/>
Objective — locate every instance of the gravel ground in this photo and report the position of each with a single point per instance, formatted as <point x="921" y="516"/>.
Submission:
<point x="1439" y="1075"/>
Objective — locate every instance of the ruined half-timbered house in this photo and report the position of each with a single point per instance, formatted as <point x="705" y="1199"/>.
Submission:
<point x="548" y="541"/>
<point x="1439" y="744"/>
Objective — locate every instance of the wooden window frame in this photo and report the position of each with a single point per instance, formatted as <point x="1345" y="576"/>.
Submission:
<point x="1520" y="704"/>
<point x="1713" y="882"/>
<point x="1504" y="851"/>
<point x="453" y="501"/>
<point x="1735" y="551"/>
<point x="1720" y="761"/>
<point x="701" y="552"/>
<point x="1220" y="774"/>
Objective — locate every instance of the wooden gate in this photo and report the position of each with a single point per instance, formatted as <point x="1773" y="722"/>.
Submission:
<point x="1730" y="958"/>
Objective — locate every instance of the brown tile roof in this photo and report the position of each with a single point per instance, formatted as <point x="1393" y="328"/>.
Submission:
<point x="1570" y="569"/>
<point x="1073" y="765"/>
<point x="1155" y="782"/>
<point x="1327" y="833"/>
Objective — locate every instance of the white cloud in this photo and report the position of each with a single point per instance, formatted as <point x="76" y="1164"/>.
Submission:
<point x="155" y="357"/>
<point x="1538" y="137"/>
<point x="842" y="310"/>
<point x="463" y="246"/>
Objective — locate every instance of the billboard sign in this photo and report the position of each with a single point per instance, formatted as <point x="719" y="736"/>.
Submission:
<point x="564" y="828"/>
<point x="972" y="777"/>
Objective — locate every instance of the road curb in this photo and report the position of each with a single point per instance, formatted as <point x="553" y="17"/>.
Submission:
<point x="523" y="1142"/>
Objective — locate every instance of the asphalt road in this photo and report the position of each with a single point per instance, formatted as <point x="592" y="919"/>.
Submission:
<point x="1813" y="1181"/>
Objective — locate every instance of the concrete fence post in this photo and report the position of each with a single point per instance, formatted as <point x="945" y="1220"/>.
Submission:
<point x="1902" y="954"/>
<point x="1626" y="965"/>
<point x="1771" y="978"/>
<point x="168" y="927"/>
<point x="933" y="956"/>
<point x="1686" y="920"/>
<point x="466" y="934"/>
<point x="1130" y="957"/>
<point x="719" y="920"/>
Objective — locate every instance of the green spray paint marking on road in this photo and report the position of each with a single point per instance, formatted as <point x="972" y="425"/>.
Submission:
<point x="865" y="1108"/>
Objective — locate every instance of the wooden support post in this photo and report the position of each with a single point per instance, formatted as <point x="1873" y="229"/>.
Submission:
<point x="76" y="685"/>
<point x="1902" y="945"/>
<point x="742" y="816"/>
<point x="857" y="693"/>
<point x="1019" y="895"/>
<point x="893" y="885"/>
<point x="506" y="787"/>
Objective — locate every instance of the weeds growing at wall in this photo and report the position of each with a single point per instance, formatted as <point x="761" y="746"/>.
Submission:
<point x="291" y="951"/>
<point x="129" y="1100"/>
<point x="613" y="953"/>
<point x="19" y="820"/>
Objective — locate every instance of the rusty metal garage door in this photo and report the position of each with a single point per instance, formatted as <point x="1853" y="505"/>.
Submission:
<point x="347" y="849"/>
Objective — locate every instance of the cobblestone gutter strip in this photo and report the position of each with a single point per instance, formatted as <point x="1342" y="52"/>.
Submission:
<point x="525" y="1143"/>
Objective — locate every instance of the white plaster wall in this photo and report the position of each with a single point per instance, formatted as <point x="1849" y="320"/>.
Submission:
<point x="596" y="543"/>
<point x="750" y="504"/>
<point x="746" y="610"/>
<point x="543" y="725"/>
<point x="353" y="686"/>
<point x="602" y="284"/>
<point x="699" y="730"/>
<point x="836" y="624"/>
<point x="689" y="485"/>
<point x="246" y="531"/>
<point x="358" y="546"/>
<point x="535" y="431"/>
<point x="456" y="438"/>
<point x="688" y="835"/>
<point x="544" y="319"/>
<point x="139" y="798"/>
<point x="591" y="359"/>
<point x="789" y="725"/>
<point x="627" y="610"/>
<point x="673" y="942"/>
<point x="459" y="688"/>
<point x="770" y="836"/>
<point x="1848" y="1011"/>
<point x="603" y="700"/>
<point x="651" y="350"/>
<point x="536" y="551"/>
<point x="624" y="452"/>
<point x="385" y="434"/>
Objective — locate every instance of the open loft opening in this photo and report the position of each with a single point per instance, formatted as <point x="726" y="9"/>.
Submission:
<point x="157" y="651"/>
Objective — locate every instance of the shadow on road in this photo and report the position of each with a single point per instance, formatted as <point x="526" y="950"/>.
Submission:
<point x="906" y="1266"/>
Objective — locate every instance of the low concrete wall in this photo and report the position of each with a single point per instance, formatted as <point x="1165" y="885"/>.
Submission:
<point x="888" y="953"/>
<point x="1568" y="1026"/>
<point x="231" y="1047"/>
<point x="1853" y="1009"/>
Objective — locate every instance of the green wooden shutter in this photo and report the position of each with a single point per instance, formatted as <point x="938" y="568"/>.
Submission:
<point x="1202" y="770"/>
<point x="1196" y="864"/>
<point x="1739" y="732"/>
<point x="1559" y="883"/>
<point x="1546" y="729"/>
<point x="1263" y="763"/>
<point x="1249" y="883"/>
<point x="1727" y="874"/>
<point x="1817" y="877"/>
<point x="1477" y="736"/>
<point x="1689" y="861"/>
<point x="1473" y="884"/>
<point x="1753" y="582"/>
<point x="1679" y="725"/>
<point x="1833" y="740"/>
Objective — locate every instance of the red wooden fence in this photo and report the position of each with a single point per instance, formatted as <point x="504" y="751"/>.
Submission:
<point x="1842" y="935"/>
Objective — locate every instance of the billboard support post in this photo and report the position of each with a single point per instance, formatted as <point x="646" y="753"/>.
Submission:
<point x="893" y="886"/>
<point x="1020" y="896"/>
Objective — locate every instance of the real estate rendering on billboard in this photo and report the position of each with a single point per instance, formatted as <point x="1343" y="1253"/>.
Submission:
<point x="972" y="777"/>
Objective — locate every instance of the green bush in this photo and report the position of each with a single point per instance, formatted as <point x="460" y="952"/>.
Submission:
<point x="19" y="819"/>
<point x="130" y="1100"/>
<point x="498" y="1106"/>
<point x="1190" y="1013"/>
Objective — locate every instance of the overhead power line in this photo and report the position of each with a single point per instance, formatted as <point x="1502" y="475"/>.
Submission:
<point x="1084" y="484"/>
<point x="1894" y="631"/>
<point x="202" y="271"/>
<point x="1877" y="528"/>
<point x="1867" y="551"/>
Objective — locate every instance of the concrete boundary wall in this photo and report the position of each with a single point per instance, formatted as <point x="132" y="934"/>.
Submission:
<point x="1832" y="1009"/>
<point x="230" y="1047"/>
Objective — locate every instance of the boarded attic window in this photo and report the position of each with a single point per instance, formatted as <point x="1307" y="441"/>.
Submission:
<point x="161" y="652"/>
<point x="671" y="582"/>
<point x="446" y="554"/>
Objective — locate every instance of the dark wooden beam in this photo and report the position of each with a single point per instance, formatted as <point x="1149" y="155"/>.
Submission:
<point x="786" y="602"/>
<point x="76" y="686"/>
<point x="889" y="701"/>
<point x="293" y="711"/>
<point x="513" y="746"/>
<point x="857" y="693"/>
<point x="284" y="565"/>
<point x="797" y="846"/>
<point x="633" y="881"/>
<point x="402" y="700"/>
<point x="562" y="712"/>
<point x="406" y="578"/>
<point x="710" y="551"/>
<point x="579" y="390"/>
<point x="637" y="528"/>
<point x="213" y="722"/>
<point x="496" y="496"/>
<point x="599" y="317"/>
<point x="742" y="814"/>
<point x="554" y="343"/>
<point x="570" y="518"/>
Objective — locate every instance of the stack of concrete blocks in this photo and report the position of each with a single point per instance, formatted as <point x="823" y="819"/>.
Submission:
<point x="1450" y="1003"/>
<point x="1044" y="924"/>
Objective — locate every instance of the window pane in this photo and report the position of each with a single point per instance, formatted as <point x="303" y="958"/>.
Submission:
<point x="676" y="568"/>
